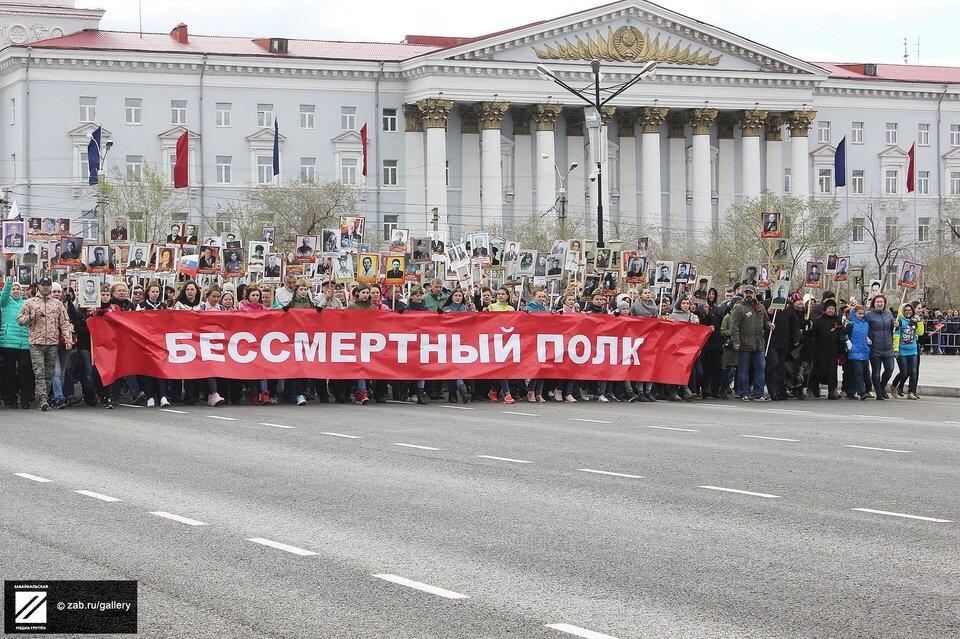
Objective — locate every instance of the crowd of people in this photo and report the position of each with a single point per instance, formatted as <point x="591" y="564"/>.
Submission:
<point x="824" y="347"/>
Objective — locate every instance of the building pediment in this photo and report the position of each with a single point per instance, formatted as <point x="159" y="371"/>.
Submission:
<point x="629" y="32"/>
<point x="348" y="138"/>
<point x="84" y="131"/>
<point x="824" y="151"/>
<point x="953" y="153"/>
<point x="263" y="135"/>
<point x="175" y="133"/>
<point x="893" y="153"/>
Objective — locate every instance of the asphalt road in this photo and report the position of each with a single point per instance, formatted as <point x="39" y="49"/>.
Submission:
<point x="617" y="520"/>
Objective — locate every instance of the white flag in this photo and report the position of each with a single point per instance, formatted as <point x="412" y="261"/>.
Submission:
<point x="14" y="211"/>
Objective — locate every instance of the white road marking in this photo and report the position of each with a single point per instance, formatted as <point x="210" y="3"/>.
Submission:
<point x="874" y="417"/>
<point x="226" y="419"/>
<point x="182" y="520"/>
<point x="505" y="459"/>
<point x="458" y="407"/>
<point x="397" y="401"/>
<point x="776" y="439"/>
<point x="511" y="412"/>
<point x="790" y="411"/>
<point x="886" y="450"/>
<point x="100" y="496"/>
<point x="904" y="515"/>
<point x="409" y="583"/>
<point x="607" y="472"/>
<point x="42" y="480"/>
<point x="344" y="435"/>
<point x="130" y="405"/>
<point x="577" y="631"/>
<point x="685" y="430"/>
<point x="177" y="412"/>
<point x="279" y="546"/>
<point x="415" y="446"/>
<point x="589" y="421"/>
<point x="740" y="492"/>
<point x="275" y="425"/>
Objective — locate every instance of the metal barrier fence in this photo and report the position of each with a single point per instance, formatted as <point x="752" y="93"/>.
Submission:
<point x="946" y="341"/>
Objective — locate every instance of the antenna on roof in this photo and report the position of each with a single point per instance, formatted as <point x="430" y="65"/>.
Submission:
<point x="906" y="55"/>
<point x="918" y="49"/>
<point x="140" y="8"/>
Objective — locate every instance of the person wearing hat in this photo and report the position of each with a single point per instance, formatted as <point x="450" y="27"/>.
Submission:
<point x="15" y="346"/>
<point x="826" y="334"/>
<point x="46" y="318"/>
<point x="748" y="334"/>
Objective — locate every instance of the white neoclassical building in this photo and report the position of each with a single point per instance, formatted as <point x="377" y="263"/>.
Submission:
<point x="468" y="127"/>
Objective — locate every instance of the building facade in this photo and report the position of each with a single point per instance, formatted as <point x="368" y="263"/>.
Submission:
<point x="465" y="133"/>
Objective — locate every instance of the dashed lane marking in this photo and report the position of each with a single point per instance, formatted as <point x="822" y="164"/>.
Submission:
<point x="284" y="547"/>
<point x="415" y="446"/>
<point x="409" y="583"/>
<point x="100" y="496"/>
<point x="903" y="515"/>
<point x="226" y="419"/>
<point x="505" y="459"/>
<point x="275" y="425"/>
<point x="740" y="492"/>
<point x="590" y="421"/>
<point x="775" y="439"/>
<point x="577" y="631"/>
<point x="344" y="435"/>
<point x="42" y="480"/>
<point x="607" y="472"/>
<point x="178" y="518"/>
<point x="885" y="450"/>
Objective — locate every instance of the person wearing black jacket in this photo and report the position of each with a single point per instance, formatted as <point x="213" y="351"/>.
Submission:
<point x="826" y="334"/>
<point x="786" y="336"/>
<point x="711" y="358"/>
<point x="78" y="317"/>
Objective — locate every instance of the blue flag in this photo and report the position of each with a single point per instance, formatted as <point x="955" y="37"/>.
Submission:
<point x="276" y="148"/>
<point x="840" y="163"/>
<point x="93" y="155"/>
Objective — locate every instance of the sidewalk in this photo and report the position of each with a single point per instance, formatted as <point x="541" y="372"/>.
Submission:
<point x="939" y="375"/>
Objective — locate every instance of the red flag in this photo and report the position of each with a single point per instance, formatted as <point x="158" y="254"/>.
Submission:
<point x="181" y="175"/>
<point x="911" y="167"/>
<point x="363" y="143"/>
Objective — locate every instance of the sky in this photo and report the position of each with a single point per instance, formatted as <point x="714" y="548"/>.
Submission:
<point x="817" y="31"/>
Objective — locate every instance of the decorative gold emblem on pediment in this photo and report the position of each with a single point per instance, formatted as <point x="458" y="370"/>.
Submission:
<point x="626" y="44"/>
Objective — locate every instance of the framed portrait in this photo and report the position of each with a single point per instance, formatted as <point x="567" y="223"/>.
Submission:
<point x="496" y="251"/>
<point x="750" y="274"/>
<point x="909" y="275"/>
<point x="421" y="252"/>
<point x="399" y="241"/>
<point x="190" y="235"/>
<point x="231" y="240"/>
<point x="71" y="251"/>
<point x="138" y="257"/>
<point x="306" y="249"/>
<point x="257" y="253"/>
<point x="813" y="275"/>
<point x="267" y="234"/>
<point x="63" y="226"/>
<point x="368" y="268"/>
<point x="272" y="268"/>
<point x="684" y="271"/>
<point x="663" y="275"/>
<point x="88" y="291"/>
<point x="480" y="248"/>
<point x="208" y="263"/>
<point x="14" y="236"/>
<point x="351" y="233"/>
<point x="34" y="228"/>
<point x="330" y="241"/>
<point x="842" y="272"/>
<point x="165" y="258"/>
<point x="831" y="263"/>
<point x="780" y="293"/>
<point x="413" y="272"/>
<point x="511" y="252"/>
<point x="610" y="282"/>
<point x="438" y="244"/>
<point x="603" y="257"/>
<point x="175" y="236"/>
<point x="876" y="287"/>
<point x="782" y="255"/>
<point x="25" y="275"/>
<point x="770" y="225"/>
<point x="634" y="266"/>
<point x="540" y="265"/>
<point x="527" y="263"/>
<point x="457" y="256"/>
<point x="591" y="286"/>
<point x="120" y="231"/>
<point x="701" y="286"/>
<point x="554" y="266"/>
<point x="95" y="258"/>
<point x="233" y="263"/>
<point x="642" y="245"/>
<point x="396" y="266"/>
<point x="31" y="254"/>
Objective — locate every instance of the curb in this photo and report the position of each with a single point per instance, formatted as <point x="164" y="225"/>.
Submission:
<point x="938" y="391"/>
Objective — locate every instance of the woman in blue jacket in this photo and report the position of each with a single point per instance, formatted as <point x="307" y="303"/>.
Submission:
<point x="881" y="323"/>
<point x="15" y="343"/>
<point x="858" y="351"/>
<point x="906" y="337"/>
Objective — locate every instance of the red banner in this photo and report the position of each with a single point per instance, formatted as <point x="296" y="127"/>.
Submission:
<point x="380" y="345"/>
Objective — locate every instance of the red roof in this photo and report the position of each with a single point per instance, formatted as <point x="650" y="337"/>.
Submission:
<point x="92" y="39"/>
<point x="893" y="72"/>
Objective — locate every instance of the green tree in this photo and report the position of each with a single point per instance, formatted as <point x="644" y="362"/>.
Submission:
<point x="149" y="203"/>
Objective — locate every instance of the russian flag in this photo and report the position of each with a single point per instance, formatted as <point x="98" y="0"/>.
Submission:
<point x="188" y="265"/>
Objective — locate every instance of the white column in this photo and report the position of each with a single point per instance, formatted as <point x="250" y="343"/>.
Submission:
<point x="491" y="177"/>
<point x="469" y="166"/>
<point x="702" y="120"/>
<point x="436" y="112"/>
<point x="774" y="154"/>
<point x="545" y="115"/>
<point x="651" y="198"/>
<point x="523" y="179"/>
<point x="751" y="123"/>
<point x="576" y="187"/>
<point x="414" y="179"/>
<point x="800" y="152"/>
<point x="676" y="221"/>
<point x="726" y="186"/>
<point x="627" y="130"/>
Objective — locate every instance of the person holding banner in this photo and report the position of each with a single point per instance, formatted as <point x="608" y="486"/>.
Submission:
<point x="156" y="389"/>
<point x="501" y="305"/>
<point x="535" y="386"/>
<point x="645" y="306"/>
<point x="361" y="302"/>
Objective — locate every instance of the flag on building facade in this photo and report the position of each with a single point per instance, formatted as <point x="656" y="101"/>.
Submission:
<point x="276" y="148"/>
<point x="181" y="171"/>
<point x="93" y="155"/>
<point x="363" y="145"/>
<point x="911" y="167"/>
<point x="840" y="163"/>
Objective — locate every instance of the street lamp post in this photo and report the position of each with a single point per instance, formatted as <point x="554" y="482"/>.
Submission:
<point x="101" y="204"/>
<point x="595" y="122"/>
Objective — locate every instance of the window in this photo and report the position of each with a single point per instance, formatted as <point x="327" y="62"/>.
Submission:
<point x="348" y="118"/>
<point x="13" y="111"/>
<point x="890" y="281"/>
<point x="178" y="111"/>
<point x="172" y="160"/>
<point x="786" y="180"/>
<point x="857" y="181"/>
<point x="890" y="179"/>
<point x="308" y="116"/>
<point x="955" y="135"/>
<point x="264" y="169"/>
<point x="892" y="137"/>
<point x="823" y="132"/>
<point x="265" y="115"/>
<point x="84" y="165"/>
<point x="13" y="166"/>
<point x="954" y="182"/>
<point x="825" y="181"/>
<point x="856" y="136"/>
<point x="88" y="109"/>
<point x="390" y="120"/>
<point x="134" y="167"/>
<point x="224" y="169"/>
<point x="224" y="114"/>
<point x="890" y="228"/>
<point x="390" y="168"/>
<point x="308" y="169"/>
<point x="446" y="174"/>
<point x="857" y="230"/>
<point x="390" y="222"/>
<point x="923" y="229"/>
<point x="133" y="111"/>
<point x="923" y="182"/>
<point x="348" y="170"/>
<point x="923" y="135"/>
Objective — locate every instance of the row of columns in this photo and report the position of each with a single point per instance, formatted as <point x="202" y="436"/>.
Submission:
<point x="482" y="122"/>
